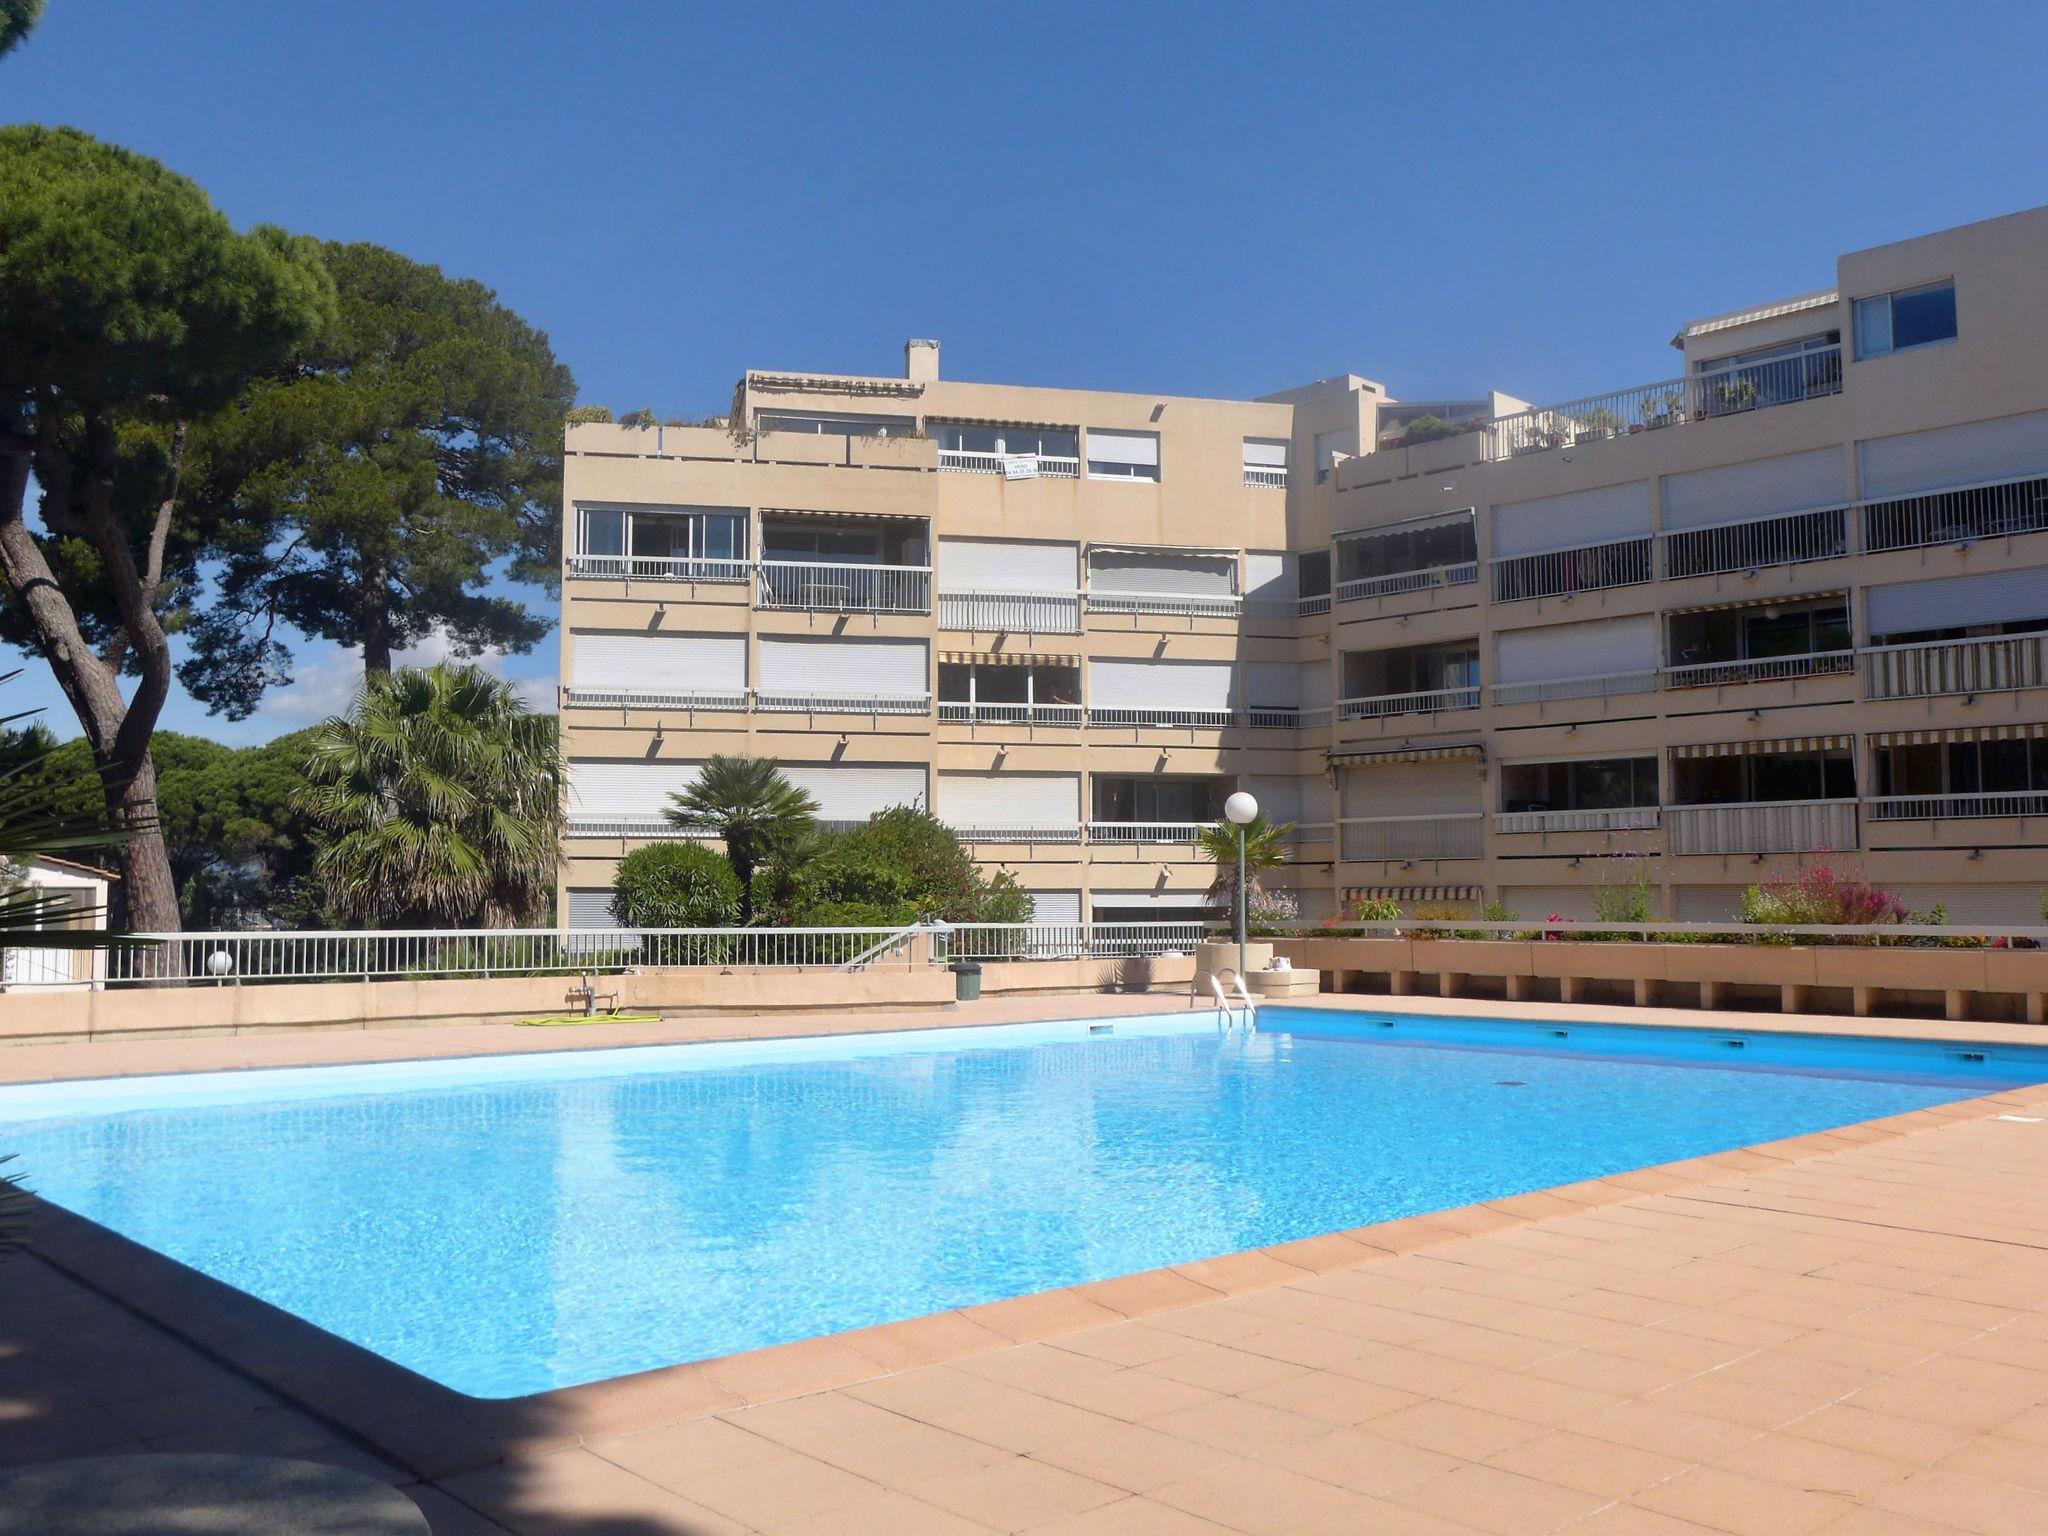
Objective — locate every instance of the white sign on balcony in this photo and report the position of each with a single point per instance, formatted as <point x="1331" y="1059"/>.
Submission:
<point x="1020" y="466"/>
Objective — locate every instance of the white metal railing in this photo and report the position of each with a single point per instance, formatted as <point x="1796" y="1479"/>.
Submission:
<point x="821" y="586"/>
<point x="637" y="826"/>
<point x="1147" y="831"/>
<point x="1309" y="833"/>
<point x="2005" y="802"/>
<point x="653" y="698"/>
<point x="1784" y="826"/>
<point x="1754" y="543"/>
<point x="1196" y="719"/>
<point x="1620" y="818"/>
<point x="1069" y="941"/>
<point x="1030" y="613"/>
<point x="778" y="702"/>
<point x="1411" y="837"/>
<point x="1669" y="402"/>
<point x="1285" y="718"/>
<point x="960" y="712"/>
<point x="1019" y="832"/>
<point x="1180" y="605"/>
<point x="1566" y="572"/>
<point x="1760" y="669"/>
<point x="1011" y="466"/>
<point x="1435" y="701"/>
<point x="1993" y="511"/>
<point x="1317" y="604"/>
<point x="1605" y="686"/>
<point x="659" y="568"/>
<point x="1429" y="579"/>
<point x="1937" y="667"/>
<point x="1264" y="477"/>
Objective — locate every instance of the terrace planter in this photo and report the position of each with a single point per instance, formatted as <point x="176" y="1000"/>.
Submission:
<point x="1477" y="957"/>
<point x="1217" y="955"/>
<point x="1923" y="970"/>
<point x="1739" y="964"/>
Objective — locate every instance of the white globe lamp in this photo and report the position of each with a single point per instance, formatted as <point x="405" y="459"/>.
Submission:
<point x="219" y="964"/>
<point x="1239" y="810"/>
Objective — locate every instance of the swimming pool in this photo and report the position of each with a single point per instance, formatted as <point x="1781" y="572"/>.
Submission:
<point x="506" y="1225"/>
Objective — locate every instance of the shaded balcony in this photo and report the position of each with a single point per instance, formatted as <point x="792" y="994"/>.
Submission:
<point x="1789" y="796"/>
<point x="996" y="690"/>
<point x="1408" y="680"/>
<point x="1759" y="642"/>
<point x="844" y="563"/>
<point x="1157" y="809"/>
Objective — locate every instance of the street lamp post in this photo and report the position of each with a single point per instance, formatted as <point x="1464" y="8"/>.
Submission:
<point x="1239" y="809"/>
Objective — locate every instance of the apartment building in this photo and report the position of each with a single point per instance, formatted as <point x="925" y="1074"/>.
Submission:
<point x="1790" y="599"/>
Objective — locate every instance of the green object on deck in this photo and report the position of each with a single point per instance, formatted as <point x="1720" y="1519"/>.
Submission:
<point x="553" y="1020"/>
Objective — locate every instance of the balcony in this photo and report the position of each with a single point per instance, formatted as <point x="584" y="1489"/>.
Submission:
<point x="1011" y="466"/>
<point x="659" y="568"/>
<point x="1265" y="477"/>
<point x="1757" y="543"/>
<point x="779" y="702"/>
<point x="1785" y="826"/>
<point x="1434" y="579"/>
<point x="2020" y="802"/>
<point x="962" y="712"/>
<point x="1285" y="718"/>
<point x="1185" y="719"/>
<point x="1694" y="397"/>
<point x="1014" y="613"/>
<point x="1020" y="832"/>
<point x="1157" y="832"/>
<point x="1411" y="837"/>
<point x="1564" y="572"/>
<point x="1937" y="668"/>
<point x="730" y="700"/>
<point x="1608" y="685"/>
<point x="828" y="587"/>
<point x="1760" y="669"/>
<point x="1626" y="818"/>
<point x="1958" y="516"/>
<point x="1435" y="701"/>
<point x="1177" y="605"/>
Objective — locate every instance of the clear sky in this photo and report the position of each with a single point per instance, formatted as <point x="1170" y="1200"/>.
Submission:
<point x="1187" y="198"/>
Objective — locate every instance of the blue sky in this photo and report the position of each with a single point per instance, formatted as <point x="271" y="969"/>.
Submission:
<point x="1188" y="198"/>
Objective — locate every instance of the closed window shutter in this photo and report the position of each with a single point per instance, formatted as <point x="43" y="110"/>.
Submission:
<point x="1540" y="901"/>
<point x="1604" y="648"/>
<point x="1271" y="578"/>
<point x="1009" y="799"/>
<point x="1272" y="685"/>
<point x="625" y="789"/>
<point x="855" y="791"/>
<point x="1569" y="522"/>
<point x="658" y="663"/>
<point x="1159" y="684"/>
<point x="1123" y="447"/>
<point x="1265" y="453"/>
<point x="1411" y="789"/>
<point x="1063" y="907"/>
<point x="1278" y="797"/>
<point x="2010" y="448"/>
<point x="1162" y="570"/>
<point x="1007" y="565"/>
<point x="1168" y="905"/>
<point x="1795" y="482"/>
<point x="1956" y="602"/>
<point x="1707" y="903"/>
<point x="1318" y="685"/>
<point x="1996" y="906"/>
<point x="867" y="667"/>
<point x="591" y="908"/>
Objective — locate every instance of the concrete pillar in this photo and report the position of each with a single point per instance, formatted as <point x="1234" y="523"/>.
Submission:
<point x="1401" y="983"/>
<point x="2037" y="1007"/>
<point x="1518" y="987"/>
<point x="1958" y="1003"/>
<point x="1710" y="994"/>
<point x="1792" y="997"/>
<point x="1864" y="1000"/>
<point x="1646" y="992"/>
<point x="1450" y="983"/>
<point x="1568" y="989"/>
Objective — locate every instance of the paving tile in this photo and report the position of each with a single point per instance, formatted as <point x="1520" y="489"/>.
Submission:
<point x="1471" y="1434"/>
<point x="2002" y="1461"/>
<point x="1224" y="1368"/>
<point x="676" y="1455"/>
<point x="1334" y="1398"/>
<point x="1361" y="1461"/>
<point x="1238" y="1425"/>
<point x="1133" y="1517"/>
<point x="1131" y="1395"/>
<point x="571" y="1492"/>
<point x="1745" y="1506"/>
<point x="1017" y="1494"/>
<point x="1505" y="1503"/>
<point x="1968" y="1503"/>
<point x="770" y="1493"/>
<point x="1261" y="1500"/>
<point x="884" y="1512"/>
<point x="1594" y="1466"/>
<point x="1790" y="1461"/>
<point x="1129" y="1456"/>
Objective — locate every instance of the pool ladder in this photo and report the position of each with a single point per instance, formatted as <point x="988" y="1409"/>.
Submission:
<point x="1247" y="1010"/>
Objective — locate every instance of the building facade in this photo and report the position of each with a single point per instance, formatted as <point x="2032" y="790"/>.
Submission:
<point x="1791" y="600"/>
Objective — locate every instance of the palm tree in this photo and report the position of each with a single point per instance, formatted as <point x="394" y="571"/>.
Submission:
<point x="749" y="804"/>
<point x="1265" y="847"/>
<point x="436" y="802"/>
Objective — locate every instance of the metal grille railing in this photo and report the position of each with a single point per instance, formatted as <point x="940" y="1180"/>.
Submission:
<point x="1760" y="669"/>
<point x="1606" y="686"/>
<point x="1179" y="605"/>
<point x="1430" y="703"/>
<point x="1070" y="941"/>
<point x="1993" y="511"/>
<point x="774" y="701"/>
<point x="1625" y="818"/>
<point x="1756" y="543"/>
<point x="1430" y="579"/>
<point x="1411" y="837"/>
<point x="1940" y="667"/>
<point x="1265" y="477"/>
<point x="1028" y="613"/>
<point x="817" y="586"/>
<point x="1012" y="466"/>
<point x="1558" y="572"/>
<point x="659" y="568"/>
<point x="1147" y="831"/>
<point x="2018" y="802"/>
<point x="1019" y="832"/>
<point x="1196" y="719"/>
<point x="1786" y="826"/>
<point x="1285" y="718"/>
<point x="959" y="712"/>
<point x="653" y="698"/>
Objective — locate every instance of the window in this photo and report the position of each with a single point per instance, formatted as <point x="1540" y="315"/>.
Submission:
<point x="1314" y="572"/>
<point x="679" y="535"/>
<point x="1045" y="442"/>
<point x="1964" y="768"/>
<point x="1602" y="784"/>
<point x="1122" y="455"/>
<point x="1911" y="317"/>
<point x="1829" y="774"/>
<point x="835" y="426"/>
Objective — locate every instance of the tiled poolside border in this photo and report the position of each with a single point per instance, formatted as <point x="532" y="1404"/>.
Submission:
<point x="434" y="1432"/>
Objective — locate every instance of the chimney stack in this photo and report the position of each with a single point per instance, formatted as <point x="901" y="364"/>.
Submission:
<point x="920" y="361"/>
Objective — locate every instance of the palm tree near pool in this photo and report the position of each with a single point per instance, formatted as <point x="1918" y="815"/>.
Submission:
<point x="436" y="802"/>
<point x="1265" y="848"/>
<point x="749" y="804"/>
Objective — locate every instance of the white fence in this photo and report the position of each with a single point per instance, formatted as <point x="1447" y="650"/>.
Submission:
<point x="1411" y="837"/>
<point x="1068" y="941"/>
<point x="1760" y="669"/>
<point x="1786" y="826"/>
<point x="1942" y="667"/>
<point x="1016" y="613"/>
<point x="1428" y="579"/>
<point x="1625" y="818"/>
<point x="822" y="587"/>
<point x="1755" y="543"/>
<point x="1430" y="703"/>
<point x="1560" y="572"/>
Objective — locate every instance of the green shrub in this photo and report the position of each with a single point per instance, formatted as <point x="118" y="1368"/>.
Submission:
<point x="582" y="415"/>
<point x="901" y="866"/>
<point x="1429" y="428"/>
<point x="675" y="885"/>
<point x="1623" y="901"/>
<point x="644" y="417"/>
<point x="1376" y="909"/>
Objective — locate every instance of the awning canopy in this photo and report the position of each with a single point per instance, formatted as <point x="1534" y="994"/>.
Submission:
<point x="1407" y="524"/>
<point x="1406" y="752"/>
<point x="1932" y="738"/>
<point x="1756" y="748"/>
<point x="1001" y="421"/>
<point x="834" y="384"/>
<point x="1413" y="892"/>
<point x="1006" y="659"/>
<point x="1758" y="601"/>
<point x="844" y="517"/>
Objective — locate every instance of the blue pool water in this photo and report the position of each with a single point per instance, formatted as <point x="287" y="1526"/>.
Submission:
<point x="508" y="1225"/>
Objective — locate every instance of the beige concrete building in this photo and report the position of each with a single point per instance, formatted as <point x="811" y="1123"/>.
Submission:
<point x="1791" y="599"/>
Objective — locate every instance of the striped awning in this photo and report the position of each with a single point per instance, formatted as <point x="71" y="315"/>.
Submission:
<point x="1787" y="601"/>
<point x="1407" y="525"/>
<point x="1406" y="752"/>
<point x="1413" y="892"/>
<point x="1007" y="659"/>
<point x="1936" y="738"/>
<point x="1001" y="421"/>
<point x="844" y="517"/>
<point x="834" y="384"/>
<point x="1773" y="744"/>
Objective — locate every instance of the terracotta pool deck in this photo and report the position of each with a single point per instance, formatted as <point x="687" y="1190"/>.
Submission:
<point x="1844" y="1333"/>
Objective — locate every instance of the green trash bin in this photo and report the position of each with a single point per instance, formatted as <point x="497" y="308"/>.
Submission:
<point x="966" y="980"/>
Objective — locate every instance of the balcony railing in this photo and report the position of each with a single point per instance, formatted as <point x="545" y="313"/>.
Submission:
<point x="1265" y="478"/>
<point x="1285" y="719"/>
<point x="780" y="702"/>
<point x="1607" y="685"/>
<point x="1307" y="834"/>
<point x="1756" y="543"/>
<point x="1629" y="818"/>
<point x="651" y="826"/>
<point x="1760" y="669"/>
<point x="1785" y="826"/>
<point x="654" y="698"/>
<point x="1195" y="719"/>
<point x="822" y="587"/>
<point x="1693" y="397"/>
<point x="1561" y="572"/>
<point x="1939" y="667"/>
<point x="659" y="568"/>
<point x="1428" y="580"/>
<point x="1025" y="613"/>
<point x="960" y="712"/>
<point x="1433" y="702"/>
<point x="1180" y="605"/>
<point x="1411" y="837"/>
<point x="1958" y="516"/>
<point x="1011" y="466"/>
<point x="1163" y="832"/>
<point x="1019" y="832"/>
<point x="2019" y="802"/>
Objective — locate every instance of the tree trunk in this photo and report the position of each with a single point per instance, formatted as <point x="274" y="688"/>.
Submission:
<point x="376" y="618"/>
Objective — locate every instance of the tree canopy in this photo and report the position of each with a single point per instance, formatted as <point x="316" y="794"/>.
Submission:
<point x="17" y="20"/>
<point x="752" y="807"/>
<point x="900" y="866"/>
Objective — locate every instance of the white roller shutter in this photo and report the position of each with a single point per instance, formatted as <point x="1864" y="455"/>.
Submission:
<point x="1123" y="447"/>
<point x="591" y="909"/>
<point x="656" y="663"/>
<point x="1190" y="685"/>
<point x="1318" y="685"/>
<point x="1265" y="453"/>
<point x="1603" y="648"/>
<point x="1272" y="685"/>
<point x="1009" y="799"/>
<point x="1569" y="522"/>
<point x="1795" y="482"/>
<point x="1540" y="901"/>
<point x="634" y="788"/>
<point x="1271" y="578"/>
<point x="1996" y="906"/>
<point x="855" y="791"/>
<point x="1955" y="602"/>
<point x="1007" y="565"/>
<point x="1411" y="789"/>
<point x="2011" y="448"/>
<point x="1168" y="904"/>
<point x="1183" y="572"/>
<point x="1056" y="907"/>
<point x="1708" y="903"/>
<point x="864" y="666"/>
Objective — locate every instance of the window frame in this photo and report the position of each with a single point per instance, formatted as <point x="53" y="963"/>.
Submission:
<point x="1859" y="307"/>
